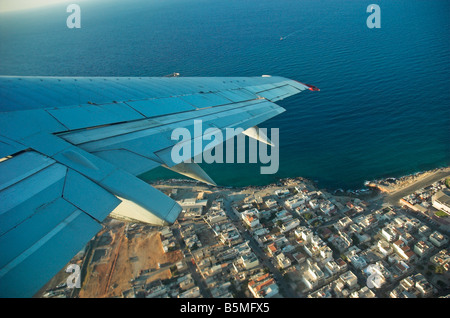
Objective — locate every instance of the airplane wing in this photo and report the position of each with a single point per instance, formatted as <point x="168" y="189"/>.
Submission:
<point x="71" y="148"/>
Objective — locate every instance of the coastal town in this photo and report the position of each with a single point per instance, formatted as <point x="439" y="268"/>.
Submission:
<point x="289" y="239"/>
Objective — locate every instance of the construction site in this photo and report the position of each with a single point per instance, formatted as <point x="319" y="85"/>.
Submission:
<point x="120" y="259"/>
<point x="121" y="251"/>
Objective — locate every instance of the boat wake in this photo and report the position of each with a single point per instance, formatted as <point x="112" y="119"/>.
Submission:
<point x="289" y="35"/>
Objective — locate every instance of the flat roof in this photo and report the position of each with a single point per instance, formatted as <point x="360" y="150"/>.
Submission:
<point x="443" y="197"/>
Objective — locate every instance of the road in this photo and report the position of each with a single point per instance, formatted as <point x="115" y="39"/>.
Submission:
<point x="285" y="288"/>
<point x="394" y="198"/>
<point x="199" y="281"/>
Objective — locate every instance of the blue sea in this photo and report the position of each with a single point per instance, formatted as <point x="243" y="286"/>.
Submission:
<point x="384" y="104"/>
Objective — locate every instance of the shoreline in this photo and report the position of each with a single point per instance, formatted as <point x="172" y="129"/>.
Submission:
<point x="391" y="185"/>
<point x="388" y="185"/>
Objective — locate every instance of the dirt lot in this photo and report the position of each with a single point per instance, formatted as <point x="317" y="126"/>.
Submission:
<point x="127" y="257"/>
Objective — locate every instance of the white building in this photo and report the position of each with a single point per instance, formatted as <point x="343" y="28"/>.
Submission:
<point x="190" y="293"/>
<point x="282" y="192"/>
<point x="283" y="261"/>
<point x="316" y="240"/>
<point x="250" y="217"/>
<point x="292" y="224"/>
<point x="421" y="248"/>
<point x="424" y="231"/>
<point x="344" y="222"/>
<point x="384" y="247"/>
<point x="403" y="250"/>
<point x="216" y="216"/>
<point x="270" y="203"/>
<point x="313" y="275"/>
<point x="326" y="254"/>
<point x="332" y="268"/>
<point x="304" y="233"/>
<point x="249" y="260"/>
<point x="349" y="279"/>
<point x="295" y="201"/>
<point x="442" y="258"/>
<point x="192" y="203"/>
<point x="263" y="286"/>
<point x="441" y="201"/>
<point x="389" y="233"/>
<point x="364" y="292"/>
<point x="438" y="239"/>
<point x="314" y="204"/>
<point x="358" y="261"/>
<point x="326" y="207"/>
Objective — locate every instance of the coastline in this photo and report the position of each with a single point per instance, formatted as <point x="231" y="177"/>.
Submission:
<point x="388" y="185"/>
<point x="392" y="185"/>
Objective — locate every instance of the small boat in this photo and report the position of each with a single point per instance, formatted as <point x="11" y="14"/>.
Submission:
<point x="281" y="39"/>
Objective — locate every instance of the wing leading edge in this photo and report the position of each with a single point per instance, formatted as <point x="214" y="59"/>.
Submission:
<point x="71" y="149"/>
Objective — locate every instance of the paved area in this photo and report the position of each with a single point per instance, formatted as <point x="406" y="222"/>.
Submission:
<point x="394" y="198"/>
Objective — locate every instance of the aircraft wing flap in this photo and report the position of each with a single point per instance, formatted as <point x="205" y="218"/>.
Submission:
<point x="88" y="196"/>
<point x="31" y="268"/>
<point x="237" y="95"/>
<point x="244" y="118"/>
<point x="12" y="171"/>
<point x="48" y="213"/>
<point x="83" y="116"/>
<point x="21" y="199"/>
<point x="30" y="181"/>
<point x="278" y="93"/>
<point x="83" y="136"/>
<point x="134" y="163"/>
<point x="203" y="100"/>
<point x="160" y="106"/>
<point x="147" y="144"/>
<point x="8" y="147"/>
<point x="19" y="124"/>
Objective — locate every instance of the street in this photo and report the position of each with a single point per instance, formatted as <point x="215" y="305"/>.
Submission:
<point x="285" y="288"/>
<point x="394" y="198"/>
<point x="199" y="281"/>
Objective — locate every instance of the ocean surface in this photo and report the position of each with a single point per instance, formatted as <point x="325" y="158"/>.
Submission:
<point x="384" y="105"/>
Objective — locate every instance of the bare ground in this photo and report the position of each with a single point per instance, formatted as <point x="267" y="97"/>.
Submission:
<point x="127" y="258"/>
